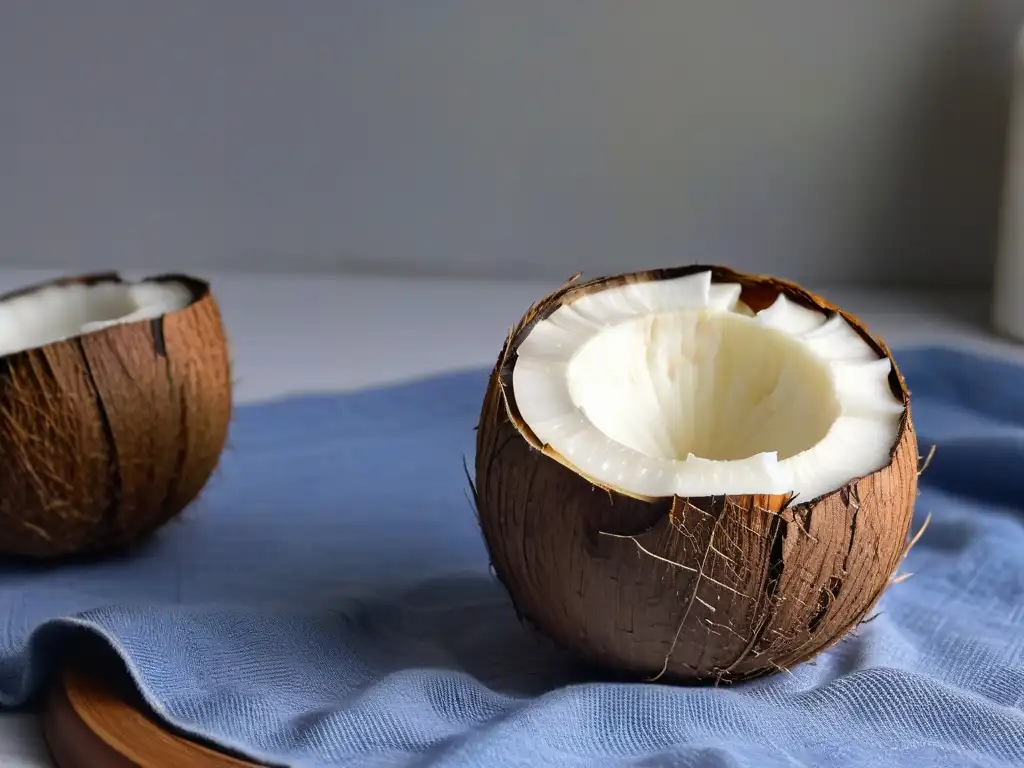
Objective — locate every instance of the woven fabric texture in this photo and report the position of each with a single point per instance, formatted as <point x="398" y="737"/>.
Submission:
<point x="328" y="603"/>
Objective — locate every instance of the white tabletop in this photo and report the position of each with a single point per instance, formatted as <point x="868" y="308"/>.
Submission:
<point x="294" y="334"/>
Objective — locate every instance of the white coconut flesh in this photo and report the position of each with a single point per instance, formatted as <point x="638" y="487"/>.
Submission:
<point x="58" y="312"/>
<point x="676" y="387"/>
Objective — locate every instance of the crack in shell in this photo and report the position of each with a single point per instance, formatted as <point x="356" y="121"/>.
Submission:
<point x="107" y="527"/>
<point x="156" y="327"/>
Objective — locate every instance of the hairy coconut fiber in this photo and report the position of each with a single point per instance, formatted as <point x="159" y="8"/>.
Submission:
<point x="108" y="434"/>
<point x="685" y="589"/>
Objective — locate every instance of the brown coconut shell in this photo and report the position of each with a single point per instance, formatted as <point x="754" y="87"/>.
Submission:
<point x="717" y="589"/>
<point x="108" y="435"/>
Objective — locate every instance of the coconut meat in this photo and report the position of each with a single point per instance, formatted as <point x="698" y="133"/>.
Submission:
<point x="57" y="312"/>
<point x="675" y="387"/>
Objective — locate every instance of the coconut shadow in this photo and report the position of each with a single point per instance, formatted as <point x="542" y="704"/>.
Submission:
<point x="464" y="623"/>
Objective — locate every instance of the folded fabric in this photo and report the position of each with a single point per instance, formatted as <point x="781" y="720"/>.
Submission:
<point x="328" y="603"/>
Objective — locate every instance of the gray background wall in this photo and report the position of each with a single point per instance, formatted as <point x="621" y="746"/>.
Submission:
<point x="855" y="140"/>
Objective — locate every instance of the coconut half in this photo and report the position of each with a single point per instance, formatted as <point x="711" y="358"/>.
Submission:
<point x="115" y="399"/>
<point x="694" y="473"/>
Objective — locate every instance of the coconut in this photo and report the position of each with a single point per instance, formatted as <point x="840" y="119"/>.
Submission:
<point x="114" y="406"/>
<point x="694" y="474"/>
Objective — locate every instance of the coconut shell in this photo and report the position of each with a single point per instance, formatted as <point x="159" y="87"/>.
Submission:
<point x="708" y="589"/>
<point x="108" y="435"/>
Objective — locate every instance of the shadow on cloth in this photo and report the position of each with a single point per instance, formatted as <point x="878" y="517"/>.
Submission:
<point x="465" y="623"/>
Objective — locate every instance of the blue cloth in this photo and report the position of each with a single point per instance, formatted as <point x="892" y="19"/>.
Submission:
<point x="328" y="603"/>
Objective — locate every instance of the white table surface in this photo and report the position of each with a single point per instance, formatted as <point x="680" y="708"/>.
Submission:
<point x="293" y="334"/>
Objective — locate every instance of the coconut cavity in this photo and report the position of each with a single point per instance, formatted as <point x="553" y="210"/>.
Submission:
<point x="676" y="387"/>
<point x="62" y="311"/>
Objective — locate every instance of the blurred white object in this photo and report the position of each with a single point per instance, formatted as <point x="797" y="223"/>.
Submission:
<point x="1008" y="288"/>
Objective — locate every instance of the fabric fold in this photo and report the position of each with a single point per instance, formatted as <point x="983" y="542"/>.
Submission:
<point x="328" y="602"/>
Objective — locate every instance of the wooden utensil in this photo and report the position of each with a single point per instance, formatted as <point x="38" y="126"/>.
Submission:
<point x="96" y="719"/>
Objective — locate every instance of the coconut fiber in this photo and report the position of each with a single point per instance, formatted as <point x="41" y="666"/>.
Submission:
<point x="328" y="602"/>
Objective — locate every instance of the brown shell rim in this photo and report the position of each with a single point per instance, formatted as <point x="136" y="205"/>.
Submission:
<point x="199" y="288"/>
<point x="755" y="289"/>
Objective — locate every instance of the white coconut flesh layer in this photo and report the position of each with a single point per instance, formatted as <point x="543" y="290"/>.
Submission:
<point x="675" y="387"/>
<point x="59" y="312"/>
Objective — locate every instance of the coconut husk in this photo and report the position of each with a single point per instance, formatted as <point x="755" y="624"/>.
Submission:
<point x="708" y="589"/>
<point x="108" y="435"/>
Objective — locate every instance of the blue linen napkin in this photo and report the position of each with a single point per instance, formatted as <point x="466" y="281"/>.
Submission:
<point x="328" y="603"/>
